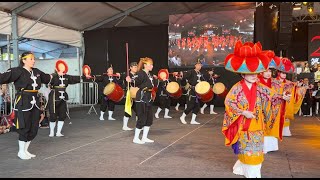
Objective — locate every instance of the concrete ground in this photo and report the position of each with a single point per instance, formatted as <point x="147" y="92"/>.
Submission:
<point x="94" y="148"/>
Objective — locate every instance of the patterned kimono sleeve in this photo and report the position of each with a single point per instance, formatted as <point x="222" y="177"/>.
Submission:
<point x="289" y="114"/>
<point x="232" y="117"/>
<point x="267" y="103"/>
<point x="299" y="95"/>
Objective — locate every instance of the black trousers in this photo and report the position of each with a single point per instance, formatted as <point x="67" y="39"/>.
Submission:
<point x="193" y="103"/>
<point x="164" y="102"/>
<point x="133" y="107"/>
<point x="145" y="115"/>
<point x="58" y="109"/>
<point x="106" y="104"/>
<point x="305" y="108"/>
<point x="181" y="100"/>
<point x="31" y="120"/>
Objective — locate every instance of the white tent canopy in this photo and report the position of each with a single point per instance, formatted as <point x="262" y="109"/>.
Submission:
<point x="40" y="30"/>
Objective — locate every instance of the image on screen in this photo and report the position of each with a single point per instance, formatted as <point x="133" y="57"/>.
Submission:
<point x="209" y="37"/>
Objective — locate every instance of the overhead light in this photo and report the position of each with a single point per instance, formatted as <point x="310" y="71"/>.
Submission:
<point x="305" y="3"/>
<point x="297" y="8"/>
<point x="310" y="7"/>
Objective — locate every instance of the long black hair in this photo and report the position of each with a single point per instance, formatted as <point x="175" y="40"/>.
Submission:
<point x="23" y="57"/>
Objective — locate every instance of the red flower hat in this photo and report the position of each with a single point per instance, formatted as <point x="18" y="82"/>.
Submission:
<point x="285" y="66"/>
<point x="247" y="59"/>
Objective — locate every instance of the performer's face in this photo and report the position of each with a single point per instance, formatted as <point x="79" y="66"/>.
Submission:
<point x="29" y="61"/>
<point x="110" y="71"/>
<point x="251" y="78"/>
<point x="148" y="66"/>
<point x="61" y="67"/>
<point x="283" y="75"/>
<point x="198" y="66"/>
<point x="134" y="69"/>
<point x="267" y="74"/>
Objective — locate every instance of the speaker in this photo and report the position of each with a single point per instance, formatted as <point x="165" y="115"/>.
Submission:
<point x="285" y="25"/>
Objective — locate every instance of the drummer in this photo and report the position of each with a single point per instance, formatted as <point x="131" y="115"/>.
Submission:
<point x="193" y="76"/>
<point x="212" y="79"/>
<point x="146" y="82"/>
<point x="182" y="83"/>
<point x="133" y="75"/>
<point x="164" y="97"/>
<point x="105" y="101"/>
<point x="57" y="101"/>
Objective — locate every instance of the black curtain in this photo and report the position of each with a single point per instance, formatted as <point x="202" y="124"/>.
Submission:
<point x="145" y="41"/>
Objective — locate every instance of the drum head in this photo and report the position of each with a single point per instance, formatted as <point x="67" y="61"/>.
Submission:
<point x="172" y="87"/>
<point x="133" y="92"/>
<point x="202" y="87"/>
<point x="219" y="88"/>
<point x="109" y="88"/>
<point x="163" y="74"/>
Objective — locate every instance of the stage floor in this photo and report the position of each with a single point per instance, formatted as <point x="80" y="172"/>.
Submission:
<point x="94" y="148"/>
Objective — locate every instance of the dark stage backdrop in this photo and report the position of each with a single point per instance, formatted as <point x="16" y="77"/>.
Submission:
<point x="145" y="41"/>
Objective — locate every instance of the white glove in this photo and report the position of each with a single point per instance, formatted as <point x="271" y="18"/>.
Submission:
<point x="248" y="114"/>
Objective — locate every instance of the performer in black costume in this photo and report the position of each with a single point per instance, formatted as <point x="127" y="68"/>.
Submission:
<point x="211" y="79"/>
<point x="105" y="101"/>
<point x="133" y="75"/>
<point x="145" y="81"/>
<point x="193" y="76"/>
<point x="182" y="84"/>
<point x="164" y="99"/>
<point x="308" y="99"/>
<point x="27" y="81"/>
<point x="58" y="97"/>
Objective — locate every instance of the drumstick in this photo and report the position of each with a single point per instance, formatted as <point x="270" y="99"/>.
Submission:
<point x="106" y="74"/>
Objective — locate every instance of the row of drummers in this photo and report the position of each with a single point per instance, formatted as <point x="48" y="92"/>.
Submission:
<point x="175" y="86"/>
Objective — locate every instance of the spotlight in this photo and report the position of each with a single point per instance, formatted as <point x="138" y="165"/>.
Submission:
<point x="297" y="6"/>
<point x="296" y="29"/>
<point x="310" y="7"/>
<point x="304" y="3"/>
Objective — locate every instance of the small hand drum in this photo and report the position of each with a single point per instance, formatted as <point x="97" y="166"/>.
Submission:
<point x="163" y="74"/>
<point x="61" y="66"/>
<point x="86" y="70"/>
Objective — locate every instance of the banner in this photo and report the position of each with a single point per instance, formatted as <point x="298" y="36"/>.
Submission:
<point x="314" y="43"/>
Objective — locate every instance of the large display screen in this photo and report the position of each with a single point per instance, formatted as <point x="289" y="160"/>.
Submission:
<point x="209" y="37"/>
